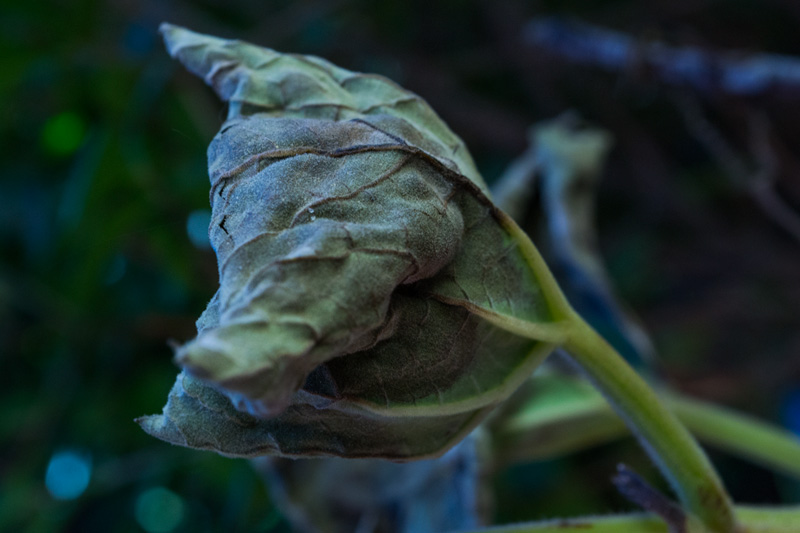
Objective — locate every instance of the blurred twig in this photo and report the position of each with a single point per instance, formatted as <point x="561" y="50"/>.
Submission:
<point x="760" y="181"/>
<point x="638" y="491"/>
<point x="698" y="71"/>
<point x="731" y="72"/>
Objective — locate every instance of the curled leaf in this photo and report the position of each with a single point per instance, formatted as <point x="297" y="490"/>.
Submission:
<point x="364" y="272"/>
<point x="197" y="416"/>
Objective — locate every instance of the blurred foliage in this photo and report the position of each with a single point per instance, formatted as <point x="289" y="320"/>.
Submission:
<point x="104" y="138"/>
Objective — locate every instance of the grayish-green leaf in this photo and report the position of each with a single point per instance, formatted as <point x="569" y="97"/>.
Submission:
<point x="197" y="416"/>
<point x="359" y="258"/>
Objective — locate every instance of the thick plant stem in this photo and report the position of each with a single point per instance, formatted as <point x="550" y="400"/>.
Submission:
<point x="667" y="441"/>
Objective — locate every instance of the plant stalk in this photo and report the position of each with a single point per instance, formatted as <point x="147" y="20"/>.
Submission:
<point x="666" y="440"/>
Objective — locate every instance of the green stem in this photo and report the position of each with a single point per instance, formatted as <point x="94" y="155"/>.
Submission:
<point x="632" y="523"/>
<point x="667" y="441"/>
<point x="739" y="434"/>
<point x="769" y="519"/>
<point x="752" y="520"/>
<point x="669" y="444"/>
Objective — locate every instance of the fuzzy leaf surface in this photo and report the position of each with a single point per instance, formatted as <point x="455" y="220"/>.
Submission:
<point x="355" y="239"/>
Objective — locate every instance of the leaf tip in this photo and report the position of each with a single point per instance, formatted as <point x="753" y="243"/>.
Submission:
<point x="181" y="42"/>
<point x="166" y="27"/>
<point x="204" y="362"/>
<point x="161" y="427"/>
<point x="172" y="35"/>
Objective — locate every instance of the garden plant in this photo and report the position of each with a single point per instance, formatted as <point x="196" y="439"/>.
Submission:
<point x="383" y="327"/>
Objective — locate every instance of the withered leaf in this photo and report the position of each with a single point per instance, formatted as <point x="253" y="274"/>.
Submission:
<point x="197" y="416"/>
<point x="359" y="258"/>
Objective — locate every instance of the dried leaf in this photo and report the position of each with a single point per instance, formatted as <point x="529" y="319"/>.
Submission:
<point x="363" y="270"/>
<point x="197" y="416"/>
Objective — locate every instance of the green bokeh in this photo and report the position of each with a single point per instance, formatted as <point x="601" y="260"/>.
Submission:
<point x="63" y="133"/>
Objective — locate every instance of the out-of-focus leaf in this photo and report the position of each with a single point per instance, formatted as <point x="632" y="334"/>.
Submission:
<point x="514" y="190"/>
<point x="553" y="415"/>
<point x="197" y="416"/>
<point x="564" y="163"/>
<point x="571" y="160"/>
<point x="336" y="495"/>
<point x="363" y="270"/>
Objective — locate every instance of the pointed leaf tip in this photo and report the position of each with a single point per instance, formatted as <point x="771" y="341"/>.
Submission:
<point x="161" y="427"/>
<point x="177" y="39"/>
<point x="206" y="55"/>
<point x="171" y="35"/>
<point x="166" y="27"/>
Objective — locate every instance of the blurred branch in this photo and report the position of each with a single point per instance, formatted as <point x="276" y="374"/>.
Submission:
<point x="638" y="491"/>
<point x="703" y="71"/>
<point x="731" y="72"/>
<point x="759" y="182"/>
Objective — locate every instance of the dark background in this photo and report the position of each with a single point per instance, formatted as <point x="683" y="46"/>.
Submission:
<point x="103" y="255"/>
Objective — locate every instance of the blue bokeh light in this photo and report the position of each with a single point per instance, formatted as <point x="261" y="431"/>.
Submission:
<point x="68" y="474"/>
<point x="791" y="411"/>
<point x="197" y="228"/>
